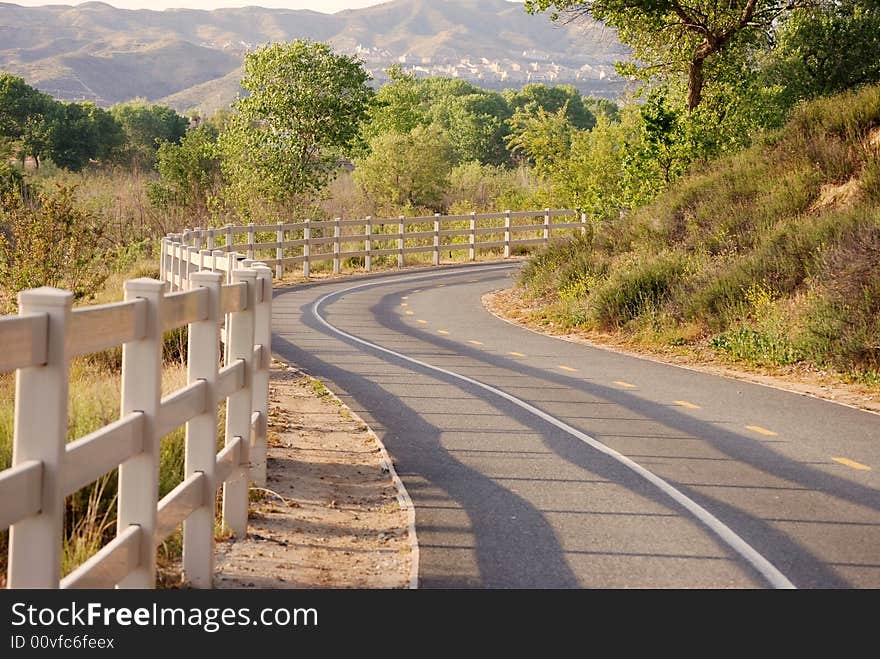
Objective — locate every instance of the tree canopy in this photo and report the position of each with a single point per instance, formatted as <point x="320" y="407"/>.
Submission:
<point x="145" y="127"/>
<point x="285" y="139"/>
<point x="677" y="36"/>
<point x="826" y="48"/>
<point x="38" y="126"/>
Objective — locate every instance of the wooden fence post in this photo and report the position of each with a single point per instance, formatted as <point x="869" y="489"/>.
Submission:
<point x="217" y="256"/>
<point x="230" y="238"/>
<point x="179" y="272"/>
<point x="201" y="435"/>
<point x="336" y="245"/>
<point x="279" y="251"/>
<point x="231" y="266"/>
<point x="252" y="240"/>
<point x="184" y="267"/>
<point x="41" y="434"/>
<point x="307" y="250"/>
<point x="141" y="392"/>
<point x="436" y="238"/>
<point x="197" y="238"/>
<point x="401" y="241"/>
<point x="263" y="337"/>
<point x="472" y="237"/>
<point x="368" y="244"/>
<point x="212" y="241"/>
<point x="507" y="234"/>
<point x="240" y="346"/>
<point x="546" y="226"/>
<point x="191" y="256"/>
<point x="583" y="223"/>
<point x="163" y="246"/>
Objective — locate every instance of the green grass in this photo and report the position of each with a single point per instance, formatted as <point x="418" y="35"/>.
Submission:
<point x="771" y="254"/>
<point x="319" y="388"/>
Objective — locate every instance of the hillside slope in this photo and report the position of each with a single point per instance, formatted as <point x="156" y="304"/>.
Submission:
<point x="770" y="257"/>
<point x="96" y="52"/>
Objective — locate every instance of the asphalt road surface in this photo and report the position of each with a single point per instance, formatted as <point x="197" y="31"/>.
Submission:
<point x="539" y="463"/>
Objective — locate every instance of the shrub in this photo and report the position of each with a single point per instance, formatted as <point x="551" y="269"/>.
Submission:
<point x="51" y="242"/>
<point x="636" y="288"/>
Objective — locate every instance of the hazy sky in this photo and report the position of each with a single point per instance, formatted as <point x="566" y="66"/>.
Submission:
<point x="326" y="6"/>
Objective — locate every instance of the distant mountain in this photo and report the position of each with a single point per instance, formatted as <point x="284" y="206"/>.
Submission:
<point x="190" y="58"/>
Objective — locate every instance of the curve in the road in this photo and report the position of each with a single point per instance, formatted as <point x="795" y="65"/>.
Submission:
<point x="755" y="559"/>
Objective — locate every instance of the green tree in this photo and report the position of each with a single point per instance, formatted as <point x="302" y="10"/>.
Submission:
<point x="474" y="119"/>
<point x="145" y="127"/>
<point x="286" y="139"/>
<point x="190" y="172"/>
<point x="71" y="134"/>
<point x="25" y="117"/>
<point x="11" y="180"/>
<point x="398" y="106"/>
<point x="477" y="127"/>
<point x="679" y="37"/>
<point x="51" y="241"/>
<point x="410" y="170"/>
<point x="828" y="48"/>
<point x="602" y="107"/>
<point x="109" y="135"/>
<point x="79" y="133"/>
<point x="534" y="97"/>
<point x="19" y="102"/>
<point x="544" y="138"/>
<point x="592" y="179"/>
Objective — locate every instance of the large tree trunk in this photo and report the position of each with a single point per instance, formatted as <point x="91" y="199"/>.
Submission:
<point x="695" y="83"/>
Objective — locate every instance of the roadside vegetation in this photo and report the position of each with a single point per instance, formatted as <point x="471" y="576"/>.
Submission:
<point x="769" y="256"/>
<point x="735" y="210"/>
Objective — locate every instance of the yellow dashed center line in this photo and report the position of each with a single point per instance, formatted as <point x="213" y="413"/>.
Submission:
<point x="418" y="290"/>
<point x="568" y="368"/>
<point x="516" y="354"/>
<point x="422" y="322"/>
<point x="852" y="463"/>
<point x="476" y="343"/>
<point x="762" y="431"/>
<point x="684" y="403"/>
<point x="410" y="313"/>
<point x="625" y="385"/>
<point x="405" y="297"/>
<point x="404" y="304"/>
<point x="444" y="332"/>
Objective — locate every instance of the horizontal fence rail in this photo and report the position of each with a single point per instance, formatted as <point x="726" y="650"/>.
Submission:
<point x="308" y="242"/>
<point x="225" y="298"/>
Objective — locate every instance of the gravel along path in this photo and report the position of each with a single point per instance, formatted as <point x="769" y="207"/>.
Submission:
<point x="333" y="514"/>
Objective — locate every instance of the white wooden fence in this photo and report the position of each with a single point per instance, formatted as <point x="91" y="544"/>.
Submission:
<point x="39" y="343"/>
<point x="309" y="242"/>
<point x="222" y="296"/>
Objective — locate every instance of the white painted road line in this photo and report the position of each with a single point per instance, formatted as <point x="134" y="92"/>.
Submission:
<point x="773" y="576"/>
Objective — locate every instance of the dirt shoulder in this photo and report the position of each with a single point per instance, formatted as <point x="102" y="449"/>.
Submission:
<point x="509" y="306"/>
<point x="332" y="515"/>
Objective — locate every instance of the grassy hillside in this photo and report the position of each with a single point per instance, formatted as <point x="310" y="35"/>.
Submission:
<point x="769" y="257"/>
